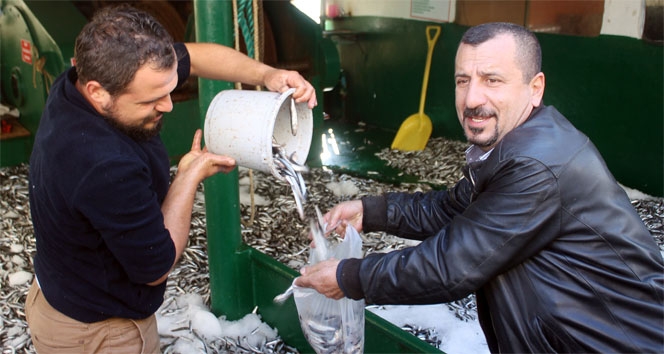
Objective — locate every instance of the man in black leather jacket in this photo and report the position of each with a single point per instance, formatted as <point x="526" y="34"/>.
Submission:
<point x="539" y="229"/>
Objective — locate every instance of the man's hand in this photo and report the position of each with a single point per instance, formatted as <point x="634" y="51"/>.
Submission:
<point x="345" y="213"/>
<point x="321" y="277"/>
<point x="203" y="164"/>
<point x="281" y="80"/>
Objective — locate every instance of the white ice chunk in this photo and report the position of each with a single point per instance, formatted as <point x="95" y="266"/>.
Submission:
<point x="20" y="277"/>
<point x="343" y="188"/>
<point x="206" y="325"/>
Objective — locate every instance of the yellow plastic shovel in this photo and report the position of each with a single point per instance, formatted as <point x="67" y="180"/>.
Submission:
<point x="416" y="129"/>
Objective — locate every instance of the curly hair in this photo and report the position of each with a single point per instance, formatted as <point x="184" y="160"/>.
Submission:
<point x="116" y="43"/>
<point x="528" y="50"/>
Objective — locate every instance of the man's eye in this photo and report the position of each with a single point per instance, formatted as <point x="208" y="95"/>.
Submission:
<point x="150" y="103"/>
<point x="461" y="82"/>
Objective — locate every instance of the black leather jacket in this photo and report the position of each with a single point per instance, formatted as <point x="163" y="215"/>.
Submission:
<point x="558" y="257"/>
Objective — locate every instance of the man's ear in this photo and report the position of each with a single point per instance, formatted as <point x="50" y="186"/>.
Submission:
<point x="537" y="89"/>
<point x="97" y="93"/>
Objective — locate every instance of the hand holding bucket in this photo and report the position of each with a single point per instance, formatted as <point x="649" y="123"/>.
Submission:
<point x="243" y="124"/>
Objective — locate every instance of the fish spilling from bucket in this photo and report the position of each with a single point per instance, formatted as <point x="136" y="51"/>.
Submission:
<point x="291" y="171"/>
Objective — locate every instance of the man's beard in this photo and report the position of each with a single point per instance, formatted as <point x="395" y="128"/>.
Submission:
<point x="480" y="112"/>
<point x="137" y="132"/>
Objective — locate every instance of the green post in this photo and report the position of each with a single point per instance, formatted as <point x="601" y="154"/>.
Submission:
<point x="229" y="290"/>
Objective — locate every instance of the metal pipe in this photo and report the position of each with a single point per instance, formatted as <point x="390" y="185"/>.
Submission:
<point x="230" y="292"/>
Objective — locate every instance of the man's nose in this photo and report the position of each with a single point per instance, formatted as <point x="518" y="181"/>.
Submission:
<point x="475" y="95"/>
<point x="165" y="104"/>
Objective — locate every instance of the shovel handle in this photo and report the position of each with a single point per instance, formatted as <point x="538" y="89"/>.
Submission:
<point x="431" y="40"/>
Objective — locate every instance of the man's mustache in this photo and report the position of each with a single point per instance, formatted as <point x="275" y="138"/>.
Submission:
<point x="478" y="112"/>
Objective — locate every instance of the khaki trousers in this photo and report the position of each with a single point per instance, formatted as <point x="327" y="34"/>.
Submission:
<point x="54" y="332"/>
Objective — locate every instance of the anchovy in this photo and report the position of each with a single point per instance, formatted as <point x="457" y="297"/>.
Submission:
<point x="281" y="298"/>
<point x="293" y="113"/>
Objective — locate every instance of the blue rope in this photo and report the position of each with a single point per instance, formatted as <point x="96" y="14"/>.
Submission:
<point x="245" y="19"/>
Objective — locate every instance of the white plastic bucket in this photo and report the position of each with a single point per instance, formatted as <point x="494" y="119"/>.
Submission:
<point x="242" y="124"/>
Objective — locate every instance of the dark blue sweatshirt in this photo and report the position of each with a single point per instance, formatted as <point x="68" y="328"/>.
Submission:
<point x="95" y="199"/>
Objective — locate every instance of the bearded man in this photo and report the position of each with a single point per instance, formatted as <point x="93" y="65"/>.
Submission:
<point x="108" y="224"/>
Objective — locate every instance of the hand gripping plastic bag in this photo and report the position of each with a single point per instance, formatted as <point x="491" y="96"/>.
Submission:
<point x="331" y="326"/>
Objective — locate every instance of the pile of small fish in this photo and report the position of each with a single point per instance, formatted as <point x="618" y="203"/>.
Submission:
<point x="652" y="213"/>
<point x="428" y="335"/>
<point x="464" y="309"/>
<point x="17" y="245"/>
<point x="277" y="231"/>
<point x="439" y="164"/>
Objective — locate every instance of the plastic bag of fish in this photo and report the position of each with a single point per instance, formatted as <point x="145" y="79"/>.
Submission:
<point x="331" y="326"/>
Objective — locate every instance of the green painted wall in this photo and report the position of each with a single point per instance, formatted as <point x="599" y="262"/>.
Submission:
<point x="610" y="87"/>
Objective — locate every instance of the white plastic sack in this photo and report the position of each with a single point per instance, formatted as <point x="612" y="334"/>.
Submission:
<point x="332" y="326"/>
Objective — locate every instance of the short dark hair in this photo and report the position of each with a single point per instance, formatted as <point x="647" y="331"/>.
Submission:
<point x="528" y="50"/>
<point x="116" y="43"/>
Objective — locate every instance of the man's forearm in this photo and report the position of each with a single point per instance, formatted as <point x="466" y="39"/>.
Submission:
<point x="217" y="62"/>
